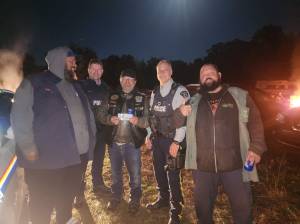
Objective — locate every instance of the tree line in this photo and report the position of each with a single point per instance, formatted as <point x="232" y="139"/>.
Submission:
<point x="266" y="56"/>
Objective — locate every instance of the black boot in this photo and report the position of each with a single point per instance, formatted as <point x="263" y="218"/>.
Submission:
<point x="175" y="212"/>
<point x="113" y="204"/>
<point x="101" y="189"/>
<point x="133" y="206"/>
<point x="174" y="220"/>
<point x="159" y="203"/>
<point x="79" y="201"/>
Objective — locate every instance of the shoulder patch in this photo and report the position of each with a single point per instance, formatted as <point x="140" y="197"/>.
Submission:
<point x="114" y="97"/>
<point x="184" y="94"/>
<point x="138" y="99"/>
<point x="141" y="93"/>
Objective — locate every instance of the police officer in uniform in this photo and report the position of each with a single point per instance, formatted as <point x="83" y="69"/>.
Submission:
<point x="97" y="91"/>
<point x="127" y="114"/>
<point x="166" y="139"/>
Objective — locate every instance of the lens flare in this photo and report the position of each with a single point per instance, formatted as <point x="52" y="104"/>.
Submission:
<point x="294" y="101"/>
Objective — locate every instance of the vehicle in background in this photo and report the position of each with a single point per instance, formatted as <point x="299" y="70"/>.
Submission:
<point x="13" y="191"/>
<point x="276" y="89"/>
<point x="193" y="88"/>
<point x="287" y="124"/>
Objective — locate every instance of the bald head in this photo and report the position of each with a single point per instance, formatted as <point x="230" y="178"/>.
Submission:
<point x="164" y="71"/>
<point x="210" y="78"/>
<point x="11" y="69"/>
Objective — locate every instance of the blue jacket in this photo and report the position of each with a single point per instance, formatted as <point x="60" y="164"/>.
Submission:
<point x="51" y="117"/>
<point x="52" y="128"/>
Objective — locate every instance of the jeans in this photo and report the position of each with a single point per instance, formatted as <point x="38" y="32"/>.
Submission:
<point x="97" y="164"/>
<point x="132" y="158"/>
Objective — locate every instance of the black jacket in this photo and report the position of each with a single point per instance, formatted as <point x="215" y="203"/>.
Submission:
<point x="138" y="102"/>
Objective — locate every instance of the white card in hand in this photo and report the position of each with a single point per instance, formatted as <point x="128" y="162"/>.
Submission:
<point x="124" y="117"/>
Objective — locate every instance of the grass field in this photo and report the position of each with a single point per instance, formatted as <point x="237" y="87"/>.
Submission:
<point x="276" y="196"/>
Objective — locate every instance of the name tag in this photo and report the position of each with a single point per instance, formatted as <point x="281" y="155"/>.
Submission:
<point x="124" y="117"/>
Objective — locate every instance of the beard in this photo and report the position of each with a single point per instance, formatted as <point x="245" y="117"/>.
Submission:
<point x="69" y="75"/>
<point x="210" y="86"/>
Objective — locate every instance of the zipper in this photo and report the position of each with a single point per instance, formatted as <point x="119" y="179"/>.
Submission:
<point x="214" y="129"/>
<point x="215" y="154"/>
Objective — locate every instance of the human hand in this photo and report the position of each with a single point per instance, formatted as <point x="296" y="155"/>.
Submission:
<point x="148" y="143"/>
<point x="185" y="110"/>
<point x="253" y="157"/>
<point x="134" y="120"/>
<point x="32" y="156"/>
<point x="115" y="120"/>
<point x="174" y="147"/>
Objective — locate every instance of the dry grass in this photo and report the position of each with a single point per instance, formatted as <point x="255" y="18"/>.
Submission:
<point x="276" y="197"/>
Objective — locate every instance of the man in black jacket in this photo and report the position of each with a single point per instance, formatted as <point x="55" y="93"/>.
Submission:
<point x="126" y="112"/>
<point x="97" y="91"/>
<point x="224" y="130"/>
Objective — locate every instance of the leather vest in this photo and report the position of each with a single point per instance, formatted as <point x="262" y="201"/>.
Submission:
<point x="125" y="132"/>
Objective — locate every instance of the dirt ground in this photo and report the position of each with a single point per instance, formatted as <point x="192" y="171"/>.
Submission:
<point x="276" y="198"/>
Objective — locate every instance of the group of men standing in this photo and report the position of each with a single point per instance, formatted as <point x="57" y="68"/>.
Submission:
<point x="60" y="124"/>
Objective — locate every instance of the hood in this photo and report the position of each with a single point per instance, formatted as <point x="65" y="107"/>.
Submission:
<point x="56" y="60"/>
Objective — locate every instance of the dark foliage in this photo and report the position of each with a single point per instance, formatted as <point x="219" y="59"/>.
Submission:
<point x="267" y="56"/>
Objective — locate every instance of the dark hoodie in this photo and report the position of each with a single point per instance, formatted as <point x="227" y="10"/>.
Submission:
<point x="51" y="112"/>
<point x="56" y="64"/>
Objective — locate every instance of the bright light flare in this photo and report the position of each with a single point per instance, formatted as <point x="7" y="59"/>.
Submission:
<point x="294" y="101"/>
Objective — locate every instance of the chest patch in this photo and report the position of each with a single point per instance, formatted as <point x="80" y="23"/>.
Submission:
<point x="227" y="105"/>
<point x="159" y="108"/>
<point x="138" y="99"/>
<point x="97" y="102"/>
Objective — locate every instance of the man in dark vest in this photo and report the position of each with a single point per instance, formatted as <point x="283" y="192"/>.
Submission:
<point x="127" y="114"/>
<point x="97" y="91"/>
<point x="166" y="139"/>
<point x="224" y="131"/>
<point x="54" y="130"/>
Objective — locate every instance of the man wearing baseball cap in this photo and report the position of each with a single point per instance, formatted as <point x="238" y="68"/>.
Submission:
<point x="126" y="112"/>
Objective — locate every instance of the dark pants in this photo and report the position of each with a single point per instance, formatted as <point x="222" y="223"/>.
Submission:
<point x="206" y="190"/>
<point x="97" y="164"/>
<point x="50" y="189"/>
<point x="132" y="157"/>
<point x="168" y="182"/>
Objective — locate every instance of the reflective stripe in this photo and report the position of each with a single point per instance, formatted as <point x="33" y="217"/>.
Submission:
<point x="5" y="178"/>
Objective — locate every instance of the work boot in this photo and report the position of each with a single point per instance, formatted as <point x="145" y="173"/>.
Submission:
<point x="133" y="207"/>
<point x="175" y="211"/>
<point x="113" y="204"/>
<point x="79" y="201"/>
<point x="102" y="189"/>
<point x="174" y="220"/>
<point x="159" y="203"/>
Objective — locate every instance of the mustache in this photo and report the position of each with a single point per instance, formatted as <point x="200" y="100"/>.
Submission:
<point x="207" y="79"/>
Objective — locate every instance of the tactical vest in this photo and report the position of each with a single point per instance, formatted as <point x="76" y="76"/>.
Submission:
<point x="161" y="114"/>
<point x="136" y="102"/>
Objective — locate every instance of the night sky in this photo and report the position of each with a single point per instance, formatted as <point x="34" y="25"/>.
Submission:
<point x="172" y="29"/>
